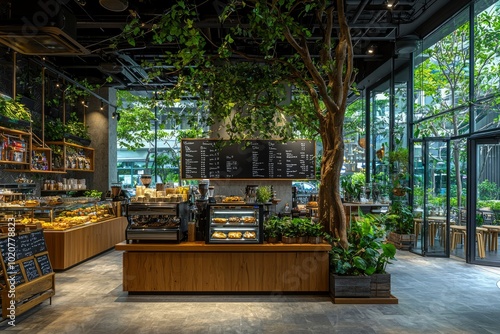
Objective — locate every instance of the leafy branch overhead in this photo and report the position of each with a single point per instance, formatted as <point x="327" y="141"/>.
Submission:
<point x="262" y="92"/>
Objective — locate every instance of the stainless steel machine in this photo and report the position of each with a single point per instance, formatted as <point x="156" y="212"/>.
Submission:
<point x="165" y="221"/>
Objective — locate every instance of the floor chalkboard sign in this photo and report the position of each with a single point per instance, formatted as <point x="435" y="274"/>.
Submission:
<point x="26" y="270"/>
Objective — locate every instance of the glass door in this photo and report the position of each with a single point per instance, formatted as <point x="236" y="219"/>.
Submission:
<point x="431" y="186"/>
<point x="483" y="222"/>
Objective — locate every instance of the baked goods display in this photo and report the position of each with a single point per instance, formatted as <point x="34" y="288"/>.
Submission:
<point x="219" y="220"/>
<point x="249" y="235"/>
<point x="249" y="220"/>
<point x="71" y="218"/>
<point x="31" y="202"/>
<point x="231" y="199"/>
<point x="219" y="235"/>
<point x="312" y="204"/>
<point x="234" y="235"/>
<point x="234" y="220"/>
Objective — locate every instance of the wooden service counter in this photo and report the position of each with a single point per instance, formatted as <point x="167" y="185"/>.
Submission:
<point x="75" y="245"/>
<point x="200" y="267"/>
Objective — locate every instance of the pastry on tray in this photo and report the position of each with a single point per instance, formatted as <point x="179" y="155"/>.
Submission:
<point x="249" y="235"/>
<point x="234" y="235"/>
<point x="234" y="220"/>
<point x="219" y="220"/>
<point x="230" y="199"/>
<point x="249" y="220"/>
<point x="219" y="235"/>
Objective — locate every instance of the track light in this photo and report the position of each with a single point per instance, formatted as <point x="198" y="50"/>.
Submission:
<point x="102" y="106"/>
<point x="113" y="115"/>
<point x="391" y="4"/>
<point x="371" y="50"/>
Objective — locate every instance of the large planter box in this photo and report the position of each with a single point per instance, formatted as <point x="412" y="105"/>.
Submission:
<point x="380" y="285"/>
<point x="402" y="241"/>
<point x="375" y="289"/>
<point x="350" y="286"/>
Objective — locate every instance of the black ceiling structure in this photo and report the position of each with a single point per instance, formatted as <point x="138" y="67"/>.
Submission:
<point x="74" y="36"/>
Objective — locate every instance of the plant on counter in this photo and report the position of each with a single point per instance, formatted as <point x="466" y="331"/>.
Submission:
<point x="264" y="194"/>
<point x="93" y="194"/>
<point x="352" y="185"/>
<point x="272" y="229"/>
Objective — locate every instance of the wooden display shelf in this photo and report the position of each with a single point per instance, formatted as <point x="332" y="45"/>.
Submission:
<point x="200" y="267"/>
<point x="70" y="247"/>
<point x="72" y="157"/>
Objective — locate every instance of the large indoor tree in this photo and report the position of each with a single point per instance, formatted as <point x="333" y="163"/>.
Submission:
<point x="261" y="91"/>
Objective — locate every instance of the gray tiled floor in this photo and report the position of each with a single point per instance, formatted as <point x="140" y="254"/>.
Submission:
<point x="435" y="296"/>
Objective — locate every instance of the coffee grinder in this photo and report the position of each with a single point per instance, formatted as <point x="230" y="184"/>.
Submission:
<point x="117" y="198"/>
<point x="201" y="210"/>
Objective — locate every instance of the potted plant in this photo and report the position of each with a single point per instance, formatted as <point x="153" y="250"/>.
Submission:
<point x="289" y="231"/>
<point x="352" y="269"/>
<point x="315" y="233"/>
<point x="352" y="185"/>
<point x="263" y="194"/>
<point x="272" y="229"/>
<point x="399" y="222"/>
<point x="13" y="113"/>
<point x="399" y="163"/>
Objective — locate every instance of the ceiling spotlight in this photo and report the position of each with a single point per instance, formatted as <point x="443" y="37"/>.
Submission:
<point x="114" y="5"/>
<point x="371" y="50"/>
<point x="113" y="115"/>
<point x="391" y="4"/>
<point x="102" y="106"/>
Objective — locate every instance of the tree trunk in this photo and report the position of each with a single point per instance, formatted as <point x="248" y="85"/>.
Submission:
<point x="331" y="210"/>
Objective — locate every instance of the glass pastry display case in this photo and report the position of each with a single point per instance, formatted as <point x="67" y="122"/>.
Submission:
<point x="60" y="216"/>
<point x="235" y="223"/>
<point x="157" y="221"/>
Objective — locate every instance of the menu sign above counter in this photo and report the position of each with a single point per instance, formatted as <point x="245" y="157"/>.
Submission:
<point x="254" y="159"/>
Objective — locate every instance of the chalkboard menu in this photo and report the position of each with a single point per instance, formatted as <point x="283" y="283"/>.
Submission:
<point x="23" y="246"/>
<point x="30" y="270"/>
<point x="15" y="271"/>
<point x="38" y="242"/>
<point x="254" y="159"/>
<point x="4" y="248"/>
<point x="44" y="264"/>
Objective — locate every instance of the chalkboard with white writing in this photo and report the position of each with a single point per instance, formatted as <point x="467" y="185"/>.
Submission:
<point x="23" y="246"/>
<point x="30" y="270"/>
<point x="38" y="242"/>
<point x="253" y="159"/>
<point x="44" y="264"/>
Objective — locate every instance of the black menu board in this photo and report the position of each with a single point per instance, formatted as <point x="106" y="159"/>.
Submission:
<point x="23" y="246"/>
<point x="44" y="264"/>
<point x="38" y="242"/>
<point x="4" y="244"/>
<point x="255" y="159"/>
<point x="30" y="270"/>
<point x="15" y="271"/>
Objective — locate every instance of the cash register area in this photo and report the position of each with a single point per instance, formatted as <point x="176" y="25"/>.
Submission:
<point x="435" y="296"/>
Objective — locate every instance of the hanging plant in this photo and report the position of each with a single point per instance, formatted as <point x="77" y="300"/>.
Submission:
<point x="14" y="109"/>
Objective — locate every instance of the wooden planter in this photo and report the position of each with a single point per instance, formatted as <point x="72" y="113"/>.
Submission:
<point x="402" y="241"/>
<point x="375" y="289"/>
<point x="380" y="286"/>
<point x="350" y="286"/>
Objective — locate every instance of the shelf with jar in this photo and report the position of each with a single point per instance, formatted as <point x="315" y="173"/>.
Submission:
<point x="71" y="157"/>
<point x="14" y="146"/>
